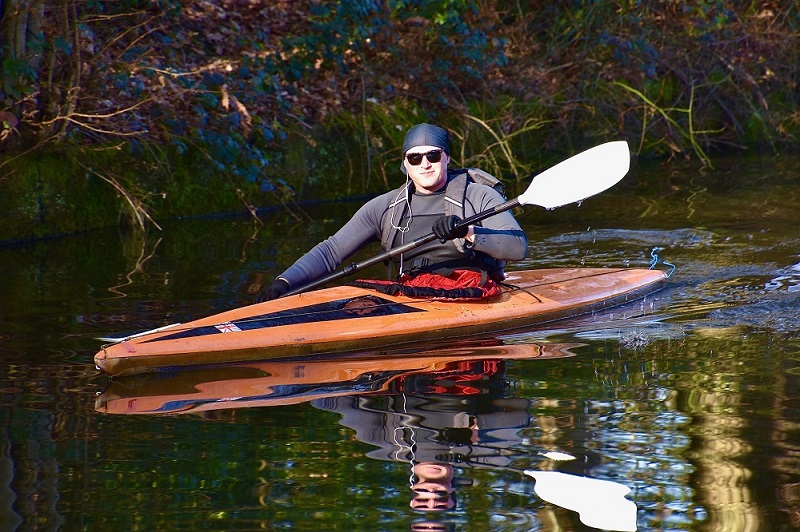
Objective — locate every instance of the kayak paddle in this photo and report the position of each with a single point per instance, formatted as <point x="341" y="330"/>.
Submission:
<point x="579" y="177"/>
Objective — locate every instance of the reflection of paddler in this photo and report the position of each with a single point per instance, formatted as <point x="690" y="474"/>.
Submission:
<point x="431" y="526"/>
<point x="470" y="429"/>
<point x="432" y="484"/>
<point x="433" y="421"/>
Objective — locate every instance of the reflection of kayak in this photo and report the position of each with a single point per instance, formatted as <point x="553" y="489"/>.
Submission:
<point x="348" y="319"/>
<point x="283" y="382"/>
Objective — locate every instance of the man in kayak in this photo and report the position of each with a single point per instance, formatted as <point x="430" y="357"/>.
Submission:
<point x="464" y="262"/>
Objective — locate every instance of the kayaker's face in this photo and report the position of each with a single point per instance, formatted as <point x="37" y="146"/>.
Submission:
<point x="428" y="177"/>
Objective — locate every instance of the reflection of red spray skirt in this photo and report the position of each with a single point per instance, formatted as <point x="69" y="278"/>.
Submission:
<point x="460" y="371"/>
<point x="466" y="377"/>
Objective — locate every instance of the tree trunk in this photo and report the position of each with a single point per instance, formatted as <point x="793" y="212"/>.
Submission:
<point x="20" y="23"/>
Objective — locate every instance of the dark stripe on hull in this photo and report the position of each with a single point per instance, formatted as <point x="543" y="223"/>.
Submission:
<point x="341" y="309"/>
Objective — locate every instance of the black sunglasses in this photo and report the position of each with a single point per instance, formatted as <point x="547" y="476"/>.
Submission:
<point x="415" y="159"/>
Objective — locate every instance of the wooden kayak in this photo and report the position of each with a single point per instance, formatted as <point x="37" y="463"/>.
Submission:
<point x="460" y="370"/>
<point x="347" y="319"/>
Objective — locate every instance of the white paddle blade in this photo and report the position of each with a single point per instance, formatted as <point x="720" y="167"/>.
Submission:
<point x="579" y="177"/>
<point x="599" y="503"/>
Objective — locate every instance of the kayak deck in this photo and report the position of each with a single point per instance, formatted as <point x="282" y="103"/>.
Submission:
<point x="348" y="319"/>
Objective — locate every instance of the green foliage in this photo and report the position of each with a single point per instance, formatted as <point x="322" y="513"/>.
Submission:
<point x="502" y="137"/>
<point x="52" y="195"/>
<point x="335" y="32"/>
<point x="453" y="37"/>
<point x="669" y="115"/>
<point x="18" y="78"/>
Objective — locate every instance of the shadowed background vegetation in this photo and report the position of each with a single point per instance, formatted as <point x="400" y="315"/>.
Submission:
<point x="144" y="110"/>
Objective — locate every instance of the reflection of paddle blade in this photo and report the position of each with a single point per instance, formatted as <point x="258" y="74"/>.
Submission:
<point x="599" y="503"/>
<point x="558" y="456"/>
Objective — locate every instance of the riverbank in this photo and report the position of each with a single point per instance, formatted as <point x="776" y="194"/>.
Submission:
<point x="186" y="109"/>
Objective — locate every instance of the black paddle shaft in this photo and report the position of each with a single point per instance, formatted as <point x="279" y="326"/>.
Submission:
<point x="394" y="252"/>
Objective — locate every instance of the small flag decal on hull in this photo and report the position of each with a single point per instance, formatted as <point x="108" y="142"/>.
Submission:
<point x="227" y="327"/>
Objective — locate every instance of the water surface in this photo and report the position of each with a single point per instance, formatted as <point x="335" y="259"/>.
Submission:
<point x="689" y="398"/>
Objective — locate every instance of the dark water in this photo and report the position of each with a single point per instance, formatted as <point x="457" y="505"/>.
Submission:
<point x="691" y="398"/>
